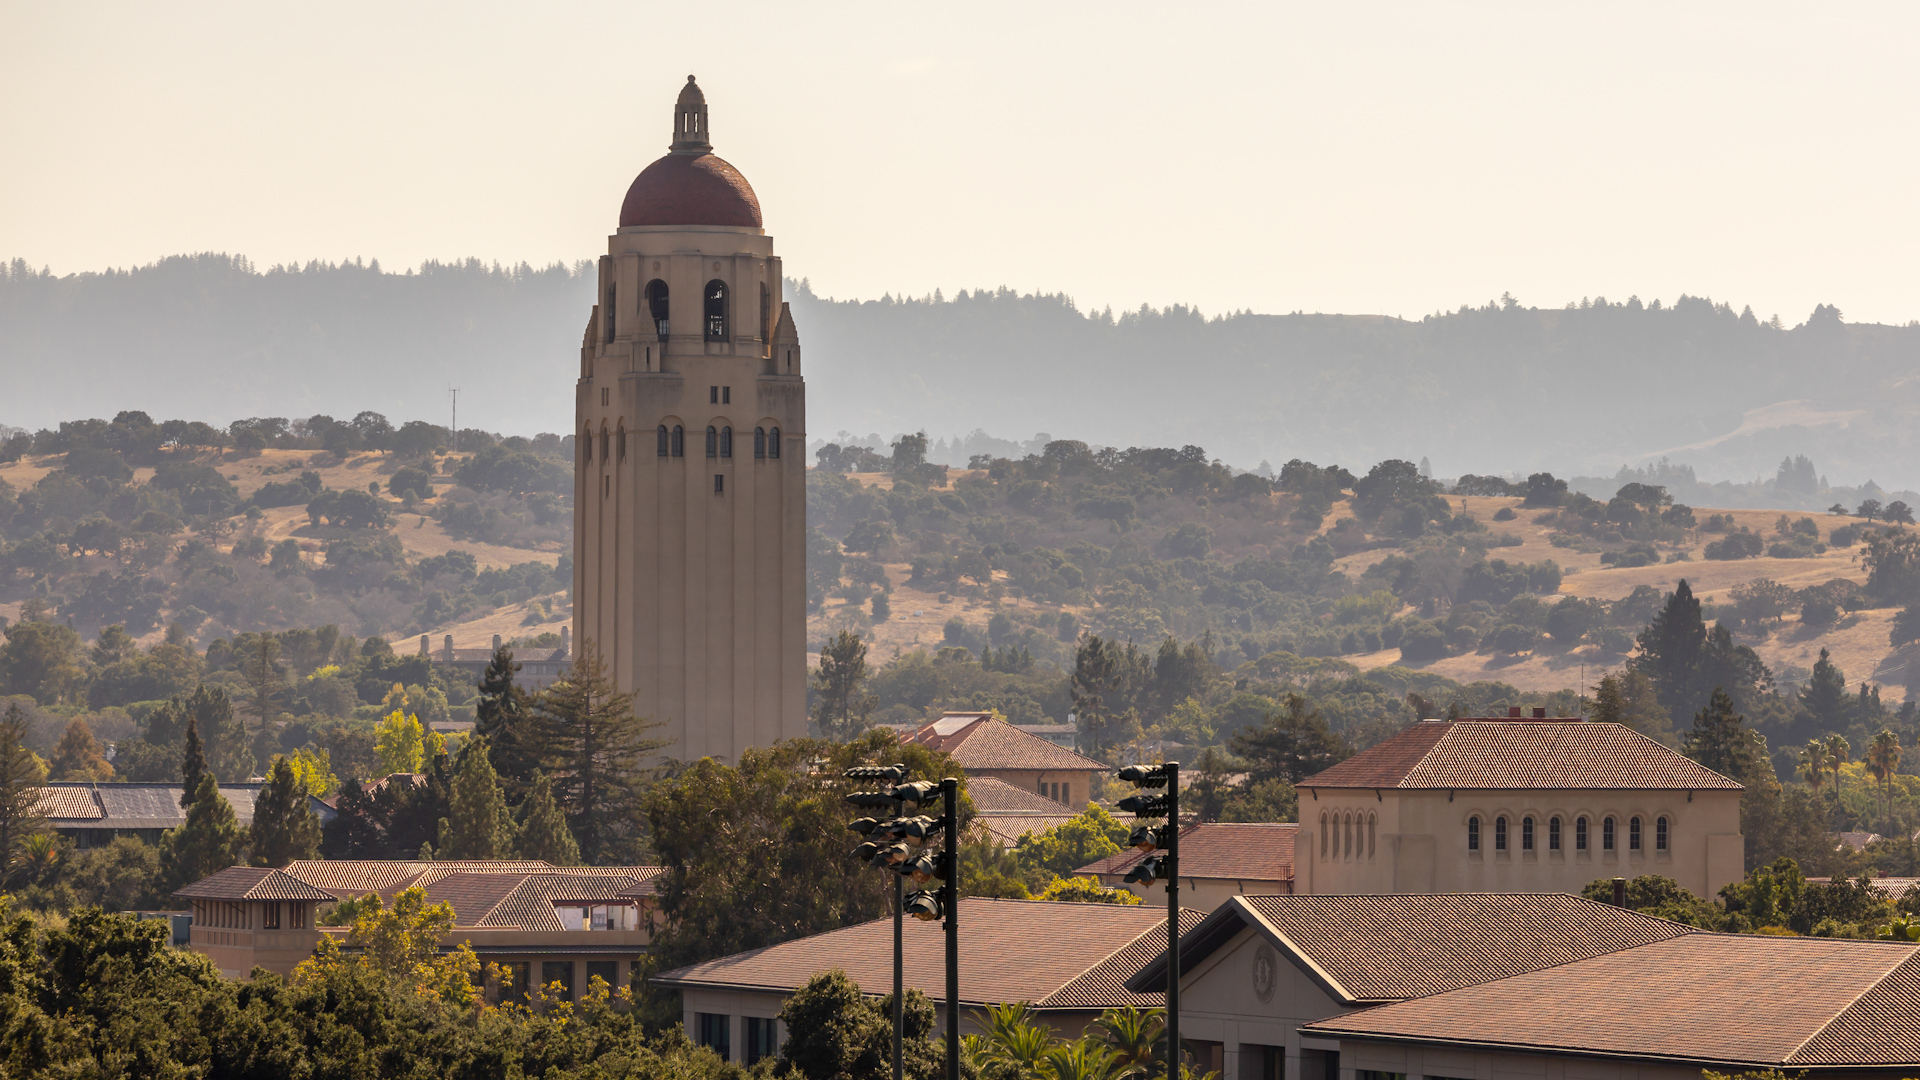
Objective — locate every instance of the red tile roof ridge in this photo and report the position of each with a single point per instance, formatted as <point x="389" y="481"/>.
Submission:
<point x="1491" y="754"/>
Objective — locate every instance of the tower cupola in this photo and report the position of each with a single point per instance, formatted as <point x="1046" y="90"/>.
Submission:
<point x="690" y="135"/>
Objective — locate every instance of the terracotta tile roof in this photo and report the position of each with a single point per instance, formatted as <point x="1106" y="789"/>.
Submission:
<point x="251" y="883"/>
<point x="1505" y="754"/>
<point x="992" y="795"/>
<point x="347" y="878"/>
<point x="1720" y="999"/>
<point x="1226" y="850"/>
<point x="1051" y="954"/>
<point x="1007" y="829"/>
<point x="1104" y="985"/>
<point x="981" y="742"/>
<point x="69" y="804"/>
<point x="1365" y="949"/>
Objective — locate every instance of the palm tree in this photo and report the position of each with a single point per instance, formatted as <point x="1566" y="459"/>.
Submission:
<point x="1015" y="1045"/>
<point x="39" y="854"/>
<point x="1883" y="760"/>
<point x="1134" y="1036"/>
<point x="1081" y="1059"/>
<point x="1838" y="754"/>
<point x="1813" y="765"/>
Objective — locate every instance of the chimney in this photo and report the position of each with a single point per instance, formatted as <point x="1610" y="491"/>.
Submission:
<point x="496" y="643"/>
<point x="1620" y="892"/>
<point x="424" y="650"/>
<point x="1513" y="712"/>
<point x="449" y="648"/>
<point x="1539" y="714"/>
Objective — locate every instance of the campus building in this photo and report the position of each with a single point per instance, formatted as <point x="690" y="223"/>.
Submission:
<point x="690" y="465"/>
<point x="986" y="746"/>
<point x="1218" y="861"/>
<point x="93" y="813"/>
<point x="544" y="923"/>
<point x="1516" y="804"/>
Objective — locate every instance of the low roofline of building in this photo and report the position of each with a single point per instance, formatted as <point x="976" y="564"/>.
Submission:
<point x="1597" y="1055"/>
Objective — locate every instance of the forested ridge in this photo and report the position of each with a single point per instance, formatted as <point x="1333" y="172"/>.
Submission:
<point x="1500" y="386"/>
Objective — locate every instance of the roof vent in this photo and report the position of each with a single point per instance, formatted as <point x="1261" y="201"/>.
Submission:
<point x="1513" y="712"/>
<point x="1539" y="714"/>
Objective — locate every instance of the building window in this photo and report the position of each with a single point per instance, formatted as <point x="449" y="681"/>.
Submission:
<point x="1370" y="835"/>
<point x="763" y="1032"/>
<point x="1323" y="834"/>
<point x="1633" y="834"/>
<point x="1606" y="834"/>
<point x="657" y="306"/>
<point x="557" y="973"/>
<point x="1473" y="834"/>
<point x="766" y="312"/>
<point x="773" y="443"/>
<point x="1346" y="831"/>
<point x="586" y="446"/>
<point x="713" y="441"/>
<point x="620" y="440"/>
<point x="297" y="916"/>
<point x="759" y="442"/>
<point x="519" y="973"/>
<point x="607" y="971"/>
<point x="713" y="1030"/>
<point x="606" y="487"/>
<point x="726" y="441"/>
<point x="609" y="313"/>
<point x="1526" y="833"/>
<point x="726" y="395"/>
<point x="661" y="442"/>
<point x="603" y="444"/>
<point x="270" y="916"/>
<point x="679" y="440"/>
<point x="1500" y="833"/>
<point x="713" y="395"/>
<point x="719" y="484"/>
<point x="716" y="310"/>
<point x="1660" y="834"/>
<point x="1580" y="834"/>
<point x="1553" y="834"/>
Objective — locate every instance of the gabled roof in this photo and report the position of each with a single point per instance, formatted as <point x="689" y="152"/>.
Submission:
<point x="1233" y="851"/>
<point x="75" y="803"/>
<point x="1007" y="829"/>
<point x="468" y="883"/>
<point x="84" y="804"/>
<point x="1366" y="949"/>
<point x="1709" y="999"/>
<point x="1507" y="754"/>
<point x="1055" y="955"/>
<point x="978" y="741"/>
<point x="992" y="795"/>
<point x="251" y="883"/>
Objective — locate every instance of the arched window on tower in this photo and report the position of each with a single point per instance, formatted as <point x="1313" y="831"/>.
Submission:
<point x="759" y="442"/>
<point x="657" y="306"/>
<point x="608" y="312"/>
<point x="620" y="440"/>
<point x="716" y="300"/>
<point x="603" y="444"/>
<point x="773" y="443"/>
<point x="679" y="441"/>
<point x="766" y="316"/>
<point x="662" y="444"/>
<point x="586" y="447"/>
<point x="726" y="441"/>
<point x="713" y="441"/>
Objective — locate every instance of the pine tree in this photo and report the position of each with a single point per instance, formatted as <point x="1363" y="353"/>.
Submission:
<point x="78" y="756"/>
<point x="223" y="737"/>
<point x="500" y="717"/>
<point x="478" y="824"/>
<point x="265" y="685"/>
<point x="1292" y="743"/>
<point x="842" y="707"/>
<point x="284" y="827"/>
<point x="1670" y="651"/>
<point x="21" y="786"/>
<point x="1825" y="695"/>
<point x="1721" y="741"/>
<point x="208" y="842"/>
<point x="193" y="764"/>
<point x="543" y="828"/>
<point x="598" y="750"/>
<point x="1627" y="698"/>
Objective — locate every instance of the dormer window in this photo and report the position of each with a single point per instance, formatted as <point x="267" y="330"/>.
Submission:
<point x="600" y="916"/>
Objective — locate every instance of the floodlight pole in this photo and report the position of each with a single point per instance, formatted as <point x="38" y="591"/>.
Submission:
<point x="899" y="969"/>
<point x="950" y="794"/>
<point x="1172" y="865"/>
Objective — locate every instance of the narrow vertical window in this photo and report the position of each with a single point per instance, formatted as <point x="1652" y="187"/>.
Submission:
<point x="1473" y="834"/>
<point x="719" y="483"/>
<point x="679" y="441"/>
<point x="1370" y="834"/>
<point x="1526" y="833"/>
<point x="620" y="441"/>
<point x="713" y="441"/>
<point x="1660" y="834"/>
<point x="1323" y="834"/>
<point x="716" y="303"/>
<point x="603" y="444"/>
<point x="713" y="395"/>
<point x="759" y="442"/>
<point x="726" y="441"/>
<point x="1553" y="834"/>
<point x="766" y="313"/>
<point x="1606" y="834"/>
<point x="1580" y="834"/>
<point x="610" y="315"/>
<point x="586" y="446"/>
<point x="726" y="395"/>
<point x="662" y="442"/>
<point x="657" y="306"/>
<point x="773" y="443"/>
<point x="1500" y="833"/>
<point x="1633" y="834"/>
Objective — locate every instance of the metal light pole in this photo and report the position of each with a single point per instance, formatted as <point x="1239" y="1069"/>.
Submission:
<point x="1173" y="920"/>
<point x="950" y="792"/>
<point x="870" y="852"/>
<point x="899" y="970"/>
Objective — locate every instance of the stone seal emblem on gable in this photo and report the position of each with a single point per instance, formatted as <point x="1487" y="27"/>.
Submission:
<point x="1266" y="971"/>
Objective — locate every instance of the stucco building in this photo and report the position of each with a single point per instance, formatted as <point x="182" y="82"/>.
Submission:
<point x="1513" y="804"/>
<point x="690" y="488"/>
<point x="985" y="746"/>
<point x="1218" y="861"/>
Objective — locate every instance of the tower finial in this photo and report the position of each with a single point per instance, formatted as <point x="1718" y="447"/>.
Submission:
<point x="690" y="135"/>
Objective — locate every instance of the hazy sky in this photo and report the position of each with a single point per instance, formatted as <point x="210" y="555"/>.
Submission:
<point x="1333" y="157"/>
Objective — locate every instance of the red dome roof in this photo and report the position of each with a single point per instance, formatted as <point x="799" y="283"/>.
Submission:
<point x="691" y="189"/>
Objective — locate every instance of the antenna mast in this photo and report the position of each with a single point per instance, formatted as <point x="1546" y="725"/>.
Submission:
<point x="455" y="391"/>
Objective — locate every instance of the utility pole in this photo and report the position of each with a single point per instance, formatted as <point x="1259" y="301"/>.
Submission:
<point x="455" y="391"/>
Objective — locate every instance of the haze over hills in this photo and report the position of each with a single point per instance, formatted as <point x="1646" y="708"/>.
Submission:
<point x="1493" y="389"/>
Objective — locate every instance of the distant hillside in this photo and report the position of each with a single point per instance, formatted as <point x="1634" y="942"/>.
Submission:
<point x="1492" y="389"/>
